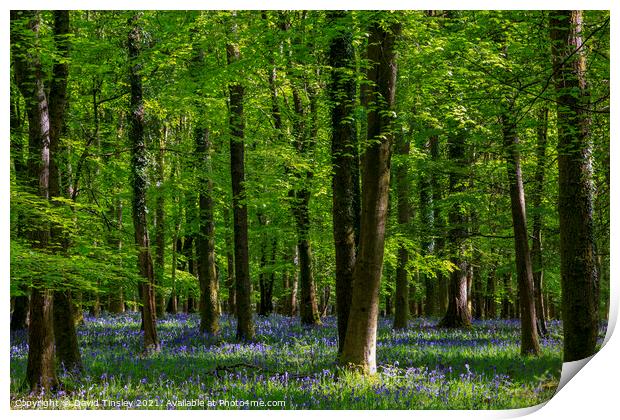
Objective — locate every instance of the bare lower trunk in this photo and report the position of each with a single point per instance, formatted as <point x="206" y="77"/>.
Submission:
<point x="41" y="369"/>
<point x="230" y="266"/>
<point x="20" y="313"/>
<point x="67" y="349"/>
<point x="457" y="314"/>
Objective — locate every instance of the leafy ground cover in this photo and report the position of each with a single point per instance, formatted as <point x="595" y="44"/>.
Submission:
<point x="420" y="368"/>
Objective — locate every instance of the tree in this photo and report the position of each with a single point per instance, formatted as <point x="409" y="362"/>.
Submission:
<point x="427" y="221"/>
<point x="579" y="277"/>
<point x="345" y="163"/>
<point x="536" y="254"/>
<point x="205" y="238"/>
<point x="401" y="309"/>
<point x="139" y="162"/>
<point x="438" y="222"/>
<point x="160" y="225"/>
<point x="245" y="326"/>
<point x="65" y="337"/>
<point x="205" y="244"/>
<point x="529" y="334"/>
<point x="41" y="369"/>
<point x="457" y="314"/>
<point x="305" y="129"/>
<point x="359" y="350"/>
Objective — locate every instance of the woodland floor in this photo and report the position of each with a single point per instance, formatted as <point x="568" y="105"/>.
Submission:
<point x="420" y="368"/>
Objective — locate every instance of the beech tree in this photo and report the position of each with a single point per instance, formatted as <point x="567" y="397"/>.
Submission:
<point x="139" y="181"/>
<point x="457" y="313"/>
<point x="345" y="161"/>
<point x="529" y="334"/>
<point x="359" y="350"/>
<point x="28" y="73"/>
<point x="577" y="255"/>
<point x="65" y="337"/>
<point x="245" y="327"/>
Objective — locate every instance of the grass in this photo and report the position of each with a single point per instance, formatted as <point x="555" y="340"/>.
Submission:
<point x="420" y="368"/>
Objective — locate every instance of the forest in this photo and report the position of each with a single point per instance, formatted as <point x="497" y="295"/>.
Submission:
<point x="297" y="209"/>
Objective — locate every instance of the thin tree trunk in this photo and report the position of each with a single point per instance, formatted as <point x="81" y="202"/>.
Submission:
<point x="491" y="305"/>
<point x="139" y="162"/>
<point x="290" y="279"/>
<point x="172" y="307"/>
<point x="579" y="277"/>
<point x="438" y="223"/>
<point x="245" y="326"/>
<point x="160" y="227"/>
<point x="304" y="143"/>
<point x="262" y="275"/>
<point x="529" y="334"/>
<point x="117" y="301"/>
<point x="401" y="307"/>
<point x="536" y="254"/>
<point x="507" y="296"/>
<point x="205" y="241"/>
<point x="359" y="350"/>
<point x="230" y="265"/>
<point x="427" y="238"/>
<point x="478" y="288"/>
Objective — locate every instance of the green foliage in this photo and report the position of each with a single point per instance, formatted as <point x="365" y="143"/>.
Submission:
<point x="458" y="70"/>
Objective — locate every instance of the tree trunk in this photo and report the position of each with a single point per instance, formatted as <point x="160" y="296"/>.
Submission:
<point x="67" y="349"/>
<point x="457" y="314"/>
<point x="245" y="326"/>
<point x="478" y="288"/>
<point x="139" y="163"/>
<point x="290" y="283"/>
<point x="230" y="265"/>
<point x="427" y="237"/>
<point x="579" y="277"/>
<point x="438" y="223"/>
<point x="117" y="301"/>
<point x="401" y="307"/>
<point x="491" y="305"/>
<point x="529" y="334"/>
<point x="324" y="304"/>
<point x="160" y="227"/>
<point x="40" y="372"/>
<point x="205" y="241"/>
<point x="359" y="350"/>
<point x="507" y="296"/>
<point x="20" y="313"/>
<point x="536" y="254"/>
<point x="304" y="142"/>
<point x="172" y="306"/>
<point x="308" y="307"/>
<point x="345" y="163"/>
